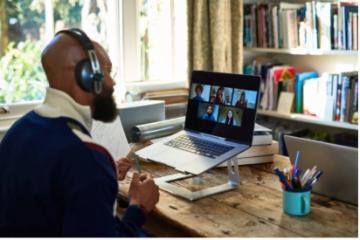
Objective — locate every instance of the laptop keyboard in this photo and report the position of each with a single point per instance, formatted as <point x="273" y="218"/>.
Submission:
<point x="198" y="146"/>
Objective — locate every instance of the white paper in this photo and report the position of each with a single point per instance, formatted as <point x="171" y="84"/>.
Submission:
<point x="285" y="102"/>
<point x="112" y="137"/>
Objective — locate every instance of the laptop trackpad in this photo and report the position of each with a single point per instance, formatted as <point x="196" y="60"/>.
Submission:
<point x="174" y="158"/>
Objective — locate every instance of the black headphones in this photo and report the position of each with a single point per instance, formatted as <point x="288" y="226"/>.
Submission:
<point x="87" y="72"/>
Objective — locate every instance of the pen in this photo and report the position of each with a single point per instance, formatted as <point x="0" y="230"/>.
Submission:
<point x="296" y="162"/>
<point x="310" y="175"/>
<point x="283" y="179"/>
<point x="305" y="175"/>
<point x="137" y="163"/>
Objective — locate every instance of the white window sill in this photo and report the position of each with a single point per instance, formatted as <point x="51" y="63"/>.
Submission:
<point x="146" y="86"/>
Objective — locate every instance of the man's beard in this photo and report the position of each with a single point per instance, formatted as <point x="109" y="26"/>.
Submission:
<point x="105" y="106"/>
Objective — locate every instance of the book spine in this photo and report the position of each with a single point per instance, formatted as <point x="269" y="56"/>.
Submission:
<point x="264" y="30"/>
<point x="269" y="30"/>
<point x="349" y="96"/>
<point x="275" y="26"/>
<point x="349" y="31"/>
<point x="334" y="93"/>
<point x="259" y="27"/>
<point x="340" y="26"/>
<point x="354" y="111"/>
<point x="343" y="29"/>
<point x="356" y="31"/>
<point x="338" y="99"/>
<point x="344" y="92"/>
<point x="355" y="102"/>
<point x="308" y="15"/>
<point x="315" y="25"/>
<point x="336" y="31"/>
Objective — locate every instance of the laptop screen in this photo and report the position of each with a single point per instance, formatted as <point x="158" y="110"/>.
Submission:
<point x="223" y="105"/>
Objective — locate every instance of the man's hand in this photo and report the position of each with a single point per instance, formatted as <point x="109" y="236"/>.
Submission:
<point x="122" y="167"/>
<point x="143" y="191"/>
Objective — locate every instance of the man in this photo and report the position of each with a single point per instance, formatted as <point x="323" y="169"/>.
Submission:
<point x="209" y="116"/>
<point x="54" y="181"/>
<point x="198" y="92"/>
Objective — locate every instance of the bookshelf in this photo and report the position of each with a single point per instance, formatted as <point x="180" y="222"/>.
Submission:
<point x="325" y="40"/>
<point x="303" y="51"/>
<point x="308" y="119"/>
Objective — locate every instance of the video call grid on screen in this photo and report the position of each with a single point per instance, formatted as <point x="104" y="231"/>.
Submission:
<point x="223" y="104"/>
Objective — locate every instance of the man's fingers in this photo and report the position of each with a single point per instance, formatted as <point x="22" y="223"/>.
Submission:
<point x="145" y="176"/>
<point x="136" y="177"/>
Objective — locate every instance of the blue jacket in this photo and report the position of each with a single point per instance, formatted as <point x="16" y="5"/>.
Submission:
<point x="54" y="184"/>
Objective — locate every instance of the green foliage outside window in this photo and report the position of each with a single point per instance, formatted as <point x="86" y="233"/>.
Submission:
<point x="22" y="76"/>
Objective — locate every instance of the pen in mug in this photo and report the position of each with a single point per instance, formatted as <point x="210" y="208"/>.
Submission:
<point x="296" y="163"/>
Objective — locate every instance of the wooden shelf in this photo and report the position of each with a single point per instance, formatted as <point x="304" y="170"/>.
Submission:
<point x="308" y="119"/>
<point x="302" y="51"/>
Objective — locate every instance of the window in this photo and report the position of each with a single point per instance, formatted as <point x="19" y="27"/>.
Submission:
<point x="159" y="28"/>
<point x="26" y="26"/>
<point x="146" y="40"/>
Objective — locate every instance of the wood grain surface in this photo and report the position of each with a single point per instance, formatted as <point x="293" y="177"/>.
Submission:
<point x="252" y="210"/>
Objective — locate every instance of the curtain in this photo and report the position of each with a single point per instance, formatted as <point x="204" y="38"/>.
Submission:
<point x="215" y="35"/>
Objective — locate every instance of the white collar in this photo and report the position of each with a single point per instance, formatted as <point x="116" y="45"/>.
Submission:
<point x="59" y="104"/>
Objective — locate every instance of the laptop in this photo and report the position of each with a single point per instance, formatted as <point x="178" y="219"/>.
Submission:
<point x="339" y="163"/>
<point x="219" y="123"/>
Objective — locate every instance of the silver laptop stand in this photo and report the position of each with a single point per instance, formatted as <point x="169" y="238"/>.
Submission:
<point x="164" y="183"/>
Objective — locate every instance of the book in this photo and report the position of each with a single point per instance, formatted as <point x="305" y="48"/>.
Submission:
<point x="256" y="154"/>
<point x="252" y="160"/>
<point x="256" y="160"/>
<point x="354" y="112"/>
<point x="260" y="150"/>
<point x="338" y="98"/>
<point x="262" y="138"/>
<point x="300" y="78"/>
<point x="275" y="26"/>
<point x="309" y="93"/>
<point x="347" y="9"/>
<point x="324" y="15"/>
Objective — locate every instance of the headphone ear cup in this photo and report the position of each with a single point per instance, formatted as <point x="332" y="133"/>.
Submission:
<point x="84" y="76"/>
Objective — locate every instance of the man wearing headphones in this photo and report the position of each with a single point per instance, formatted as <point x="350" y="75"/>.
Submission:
<point x="54" y="180"/>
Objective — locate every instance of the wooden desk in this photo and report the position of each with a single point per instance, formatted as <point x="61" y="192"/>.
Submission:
<point x="253" y="210"/>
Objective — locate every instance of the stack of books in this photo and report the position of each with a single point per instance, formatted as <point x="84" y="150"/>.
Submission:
<point x="262" y="150"/>
<point x="310" y="25"/>
<point x="175" y="100"/>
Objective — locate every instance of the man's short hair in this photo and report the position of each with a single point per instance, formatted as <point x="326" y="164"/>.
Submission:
<point x="199" y="86"/>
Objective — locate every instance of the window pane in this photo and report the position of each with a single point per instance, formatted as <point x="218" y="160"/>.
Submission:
<point x="22" y="31"/>
<point x="89" y="15"/>
<point x="162" y="32"/>
<point x="24" y="26"/>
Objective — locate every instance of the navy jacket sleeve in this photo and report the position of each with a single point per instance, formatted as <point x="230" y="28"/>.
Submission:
<point x="90" y="190"/>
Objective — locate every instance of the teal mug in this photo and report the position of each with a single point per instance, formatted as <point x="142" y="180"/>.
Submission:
<point x="297" y="203"/>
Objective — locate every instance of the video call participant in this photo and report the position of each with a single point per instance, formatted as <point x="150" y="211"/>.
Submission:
<point x="242" y="100"/>
<point x="209" y="115"/>
<point x="54" y="180"/>
<point x="198" y="92"/>
<point x="229" y="118"/>
<point x="219" y="97"/>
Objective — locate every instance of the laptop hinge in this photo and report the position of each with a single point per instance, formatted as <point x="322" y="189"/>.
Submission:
<point x="212" y="136"/>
